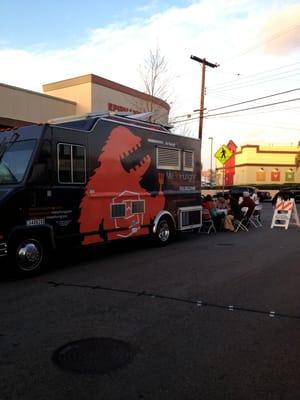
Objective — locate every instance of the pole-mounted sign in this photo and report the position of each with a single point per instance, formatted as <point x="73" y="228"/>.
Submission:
<point x="223" y="154"/>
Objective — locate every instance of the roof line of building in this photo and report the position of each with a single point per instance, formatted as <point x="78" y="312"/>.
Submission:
<point x="98" y="80"/>
<point x="266" y="151"/>
<point x="37" y="93"/>
<point x="261" y="165"/>
<point x="14" y="122"/>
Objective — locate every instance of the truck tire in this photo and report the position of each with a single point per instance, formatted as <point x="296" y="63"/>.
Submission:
<point x="27" y="256"/>
<point x="164" y="231"/>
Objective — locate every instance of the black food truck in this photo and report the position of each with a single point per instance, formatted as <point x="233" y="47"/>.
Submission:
<point x="93" y="179"/>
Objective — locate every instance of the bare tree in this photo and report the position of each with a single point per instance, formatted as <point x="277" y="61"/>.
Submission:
<point x="185" y="130"/>
<point x="155" y="80"/>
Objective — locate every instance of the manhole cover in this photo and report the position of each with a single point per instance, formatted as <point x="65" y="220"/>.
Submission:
<point x="93" y="355"/>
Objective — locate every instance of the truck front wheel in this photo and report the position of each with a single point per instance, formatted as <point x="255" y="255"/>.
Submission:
<point x="164" y="231"/>
<point x="27" y="256"/>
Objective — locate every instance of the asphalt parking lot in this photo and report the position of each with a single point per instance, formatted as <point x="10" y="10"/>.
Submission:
<point x="207" y="317"/>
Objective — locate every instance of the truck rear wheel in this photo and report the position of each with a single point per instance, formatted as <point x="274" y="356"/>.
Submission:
<point x="27" y="256"/>
<point x="164" y="232"/>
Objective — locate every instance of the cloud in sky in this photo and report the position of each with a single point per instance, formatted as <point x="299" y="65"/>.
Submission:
<point x="281" y="31"/>
<point x="116" y="50"/>
<point x="225" y="31"/>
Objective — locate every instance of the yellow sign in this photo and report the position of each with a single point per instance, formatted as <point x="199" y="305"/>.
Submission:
<point x="223" y="154"/>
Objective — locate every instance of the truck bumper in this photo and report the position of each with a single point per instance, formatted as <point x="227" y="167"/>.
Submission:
<point x="3" y="249"/>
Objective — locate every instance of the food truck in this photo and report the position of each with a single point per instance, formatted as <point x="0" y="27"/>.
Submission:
<point x="92" y="179"/>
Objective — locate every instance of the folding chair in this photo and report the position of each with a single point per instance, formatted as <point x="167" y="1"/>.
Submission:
<point x="257" y="215"/>
<point x="251" y="221"/>
<point x="241" y="224"/>
<point x="254" y="218"/>
<point x="207" y="222"/>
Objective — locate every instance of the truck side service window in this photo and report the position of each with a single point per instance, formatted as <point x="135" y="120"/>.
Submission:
<point x="117" y="210"/>
<point x="138" y="207"/>
<point x="71" y="163"/>
<point x="167" y="158"/>
<point x="188" y="160"/>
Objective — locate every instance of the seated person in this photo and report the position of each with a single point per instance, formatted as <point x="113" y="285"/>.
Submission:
<point x="255" y="197"/>
<point x="234" y="208"/>
<point x="222" y="203"/>
<point x="229" y="217"/>
<point x="208" y="202"/>
<point x="247" y="202"/>
<point x="211" y="206"/>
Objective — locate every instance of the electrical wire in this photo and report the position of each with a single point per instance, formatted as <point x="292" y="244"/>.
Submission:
<point x="241" y="110"/>
<point x="256" y="99"/>
<point x="254" y="107"/>
<point x="254" y="113"/>
<point x="234" y="104"/>
<point x="255" y="75"/>
<point x="255" y="82"/>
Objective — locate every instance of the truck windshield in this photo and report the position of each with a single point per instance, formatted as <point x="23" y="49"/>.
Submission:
<point x="14" y="160"/>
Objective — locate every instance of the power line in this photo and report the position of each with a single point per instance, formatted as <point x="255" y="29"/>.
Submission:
<point x="244" y="116"/>
<point x="256" y="99"/>
<point x="189" y="114"/>
<point x="290" y="109"/>
<point x="259" y="81"/>
<point x="254" y="107"/>
<point x="254" y="75"/>
<point x="242" y="109"/>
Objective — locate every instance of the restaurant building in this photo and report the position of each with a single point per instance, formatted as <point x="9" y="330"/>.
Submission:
<point x="254" y="164"/>
<point x="75" y="96"/>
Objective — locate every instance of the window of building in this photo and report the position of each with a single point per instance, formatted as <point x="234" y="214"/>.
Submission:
<point x="71" y="163"/>
<point x="290" y="175"/>
<point x="275" y="175"/>
<point x="260" y="175"/>
<point x="167" y="158"/>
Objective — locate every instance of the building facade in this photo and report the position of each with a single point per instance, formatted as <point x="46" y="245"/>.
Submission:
<point x="259" y="165"/>
<point x="75" y="96"/>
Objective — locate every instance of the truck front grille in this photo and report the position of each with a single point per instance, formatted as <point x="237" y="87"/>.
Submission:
<point x="3" y="249"/>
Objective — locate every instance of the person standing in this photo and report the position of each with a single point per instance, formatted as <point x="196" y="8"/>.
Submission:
<point x="280" y="195"/>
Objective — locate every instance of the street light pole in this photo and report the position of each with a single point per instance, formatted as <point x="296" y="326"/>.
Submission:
<point x="211" y="153"/>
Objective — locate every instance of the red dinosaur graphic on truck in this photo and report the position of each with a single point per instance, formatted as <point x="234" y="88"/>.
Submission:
<point x="115" y="205"/>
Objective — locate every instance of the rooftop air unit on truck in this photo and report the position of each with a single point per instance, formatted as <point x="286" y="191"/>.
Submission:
<point x="92" y="180"/>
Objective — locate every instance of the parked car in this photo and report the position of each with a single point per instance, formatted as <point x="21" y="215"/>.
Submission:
<point x="292" y="191"/>
<point x="264" y="196"/>
<point x="237" y="191"/>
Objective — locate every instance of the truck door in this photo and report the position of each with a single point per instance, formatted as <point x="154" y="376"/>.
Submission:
<point x="69" y="180"/>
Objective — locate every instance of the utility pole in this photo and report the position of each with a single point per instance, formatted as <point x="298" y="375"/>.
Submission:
<point x="204" y="63"/>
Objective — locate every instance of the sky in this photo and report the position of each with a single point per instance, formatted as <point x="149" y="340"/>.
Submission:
<point x="256" y="44"/>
